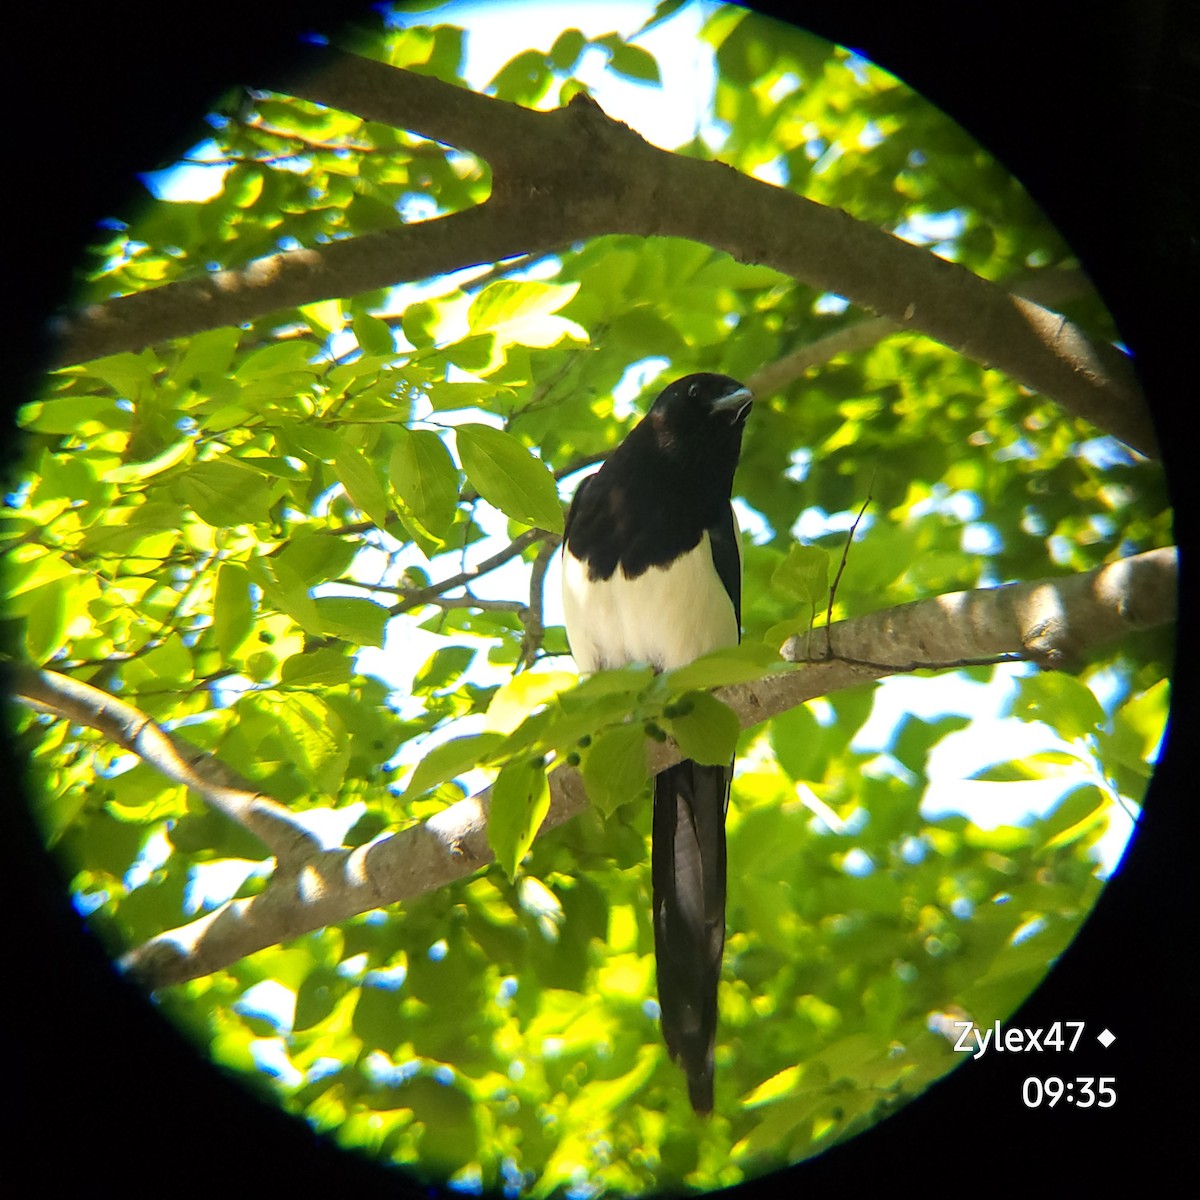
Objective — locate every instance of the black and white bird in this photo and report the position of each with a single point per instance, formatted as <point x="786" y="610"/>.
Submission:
<point x="652" y="573"/>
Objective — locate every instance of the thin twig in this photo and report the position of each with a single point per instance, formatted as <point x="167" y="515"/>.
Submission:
<point x="842" y="565"/>
<point x="516" y="547"/>
<point x="532" y="616"/>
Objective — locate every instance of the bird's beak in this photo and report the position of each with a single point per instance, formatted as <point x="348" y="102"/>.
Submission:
<point x="737" y="402"/>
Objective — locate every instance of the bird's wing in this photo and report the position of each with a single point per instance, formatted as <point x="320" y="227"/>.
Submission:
<point x="727" y="558"/>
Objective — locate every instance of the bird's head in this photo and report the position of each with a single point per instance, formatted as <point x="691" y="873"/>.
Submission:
<point x="700" y="408"/>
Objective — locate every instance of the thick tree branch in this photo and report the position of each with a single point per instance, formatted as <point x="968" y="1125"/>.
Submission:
<point x="1049" y="287"/>
<point x="1050" y="621"/>
<point x="131" y="729"/>
<point x="574" y="173"/>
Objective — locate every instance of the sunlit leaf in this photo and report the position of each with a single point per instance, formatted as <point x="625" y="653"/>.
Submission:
<point x="520" y="800"/>
<point x="614" y="768"/>
<point x="318" y="738"/>
<point x="355" y="618"/>
<point x="362" y="483"/>
<point x="508" y="476"/>
<point x="70" y="414"/>
<point x="224" y="493"/>
<point x="718" y="668"/>
<point x="425" y="478"/>
<point x="515" y="700"/>
<point x="318" y="668"/>
<point x="705" y="729"/>
<point x="47" y="618"/>
<point x="233" y="609"/>
<point x="373" y="334"/>
<point x="633" y="62"/>
<point x="804" y="574"/>
<point x="1046" y="764"/>
<point x="1063" y="702"/>
<point x="451" y="758"/>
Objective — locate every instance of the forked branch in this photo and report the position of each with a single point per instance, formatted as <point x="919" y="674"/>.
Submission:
<point x="574" y="173"/>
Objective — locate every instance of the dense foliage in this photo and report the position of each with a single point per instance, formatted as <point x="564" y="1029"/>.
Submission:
<point x="248" y="534"/>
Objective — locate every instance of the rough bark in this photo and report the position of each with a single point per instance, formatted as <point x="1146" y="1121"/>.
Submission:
<point x="574" y="173"/>
<point x="1052" y="622"/>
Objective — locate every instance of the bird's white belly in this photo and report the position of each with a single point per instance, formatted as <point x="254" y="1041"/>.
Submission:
<point x="620" y="620"/>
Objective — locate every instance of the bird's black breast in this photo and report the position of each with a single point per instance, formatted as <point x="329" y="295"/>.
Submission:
<point x="617" y="521"/>
<point x="661" y="491"/>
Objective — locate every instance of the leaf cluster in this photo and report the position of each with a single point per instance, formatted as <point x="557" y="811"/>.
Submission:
<point x="316" y="545"/>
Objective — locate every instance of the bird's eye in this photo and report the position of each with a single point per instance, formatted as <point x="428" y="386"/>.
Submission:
<point x="694" y="389"/>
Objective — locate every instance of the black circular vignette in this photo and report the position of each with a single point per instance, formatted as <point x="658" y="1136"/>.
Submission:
<point x="1096" y="109"/>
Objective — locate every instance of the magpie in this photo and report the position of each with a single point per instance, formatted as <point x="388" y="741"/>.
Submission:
<point x="652" y="573"/>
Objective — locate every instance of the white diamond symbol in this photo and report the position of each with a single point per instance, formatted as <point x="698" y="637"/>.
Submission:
<point x="1105" y="1038"/>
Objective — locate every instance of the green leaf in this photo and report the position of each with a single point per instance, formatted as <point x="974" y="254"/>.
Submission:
<point x="224" y="493"/>
<point x="662" y="10"/>
<point x="129" y="375"/>
<point x="473" y="353"/>
<point x="376" y="1019"/>
<point x="1046" y="764"/>
<point x="425" y="478"/>
<point x="524" y="312"/>
<point x="318" y="739"/>
<point x="135" y="472"/>
<point x="799" y="745"/>
<point x="1139" y="723"/>
<point x="914" y="738"/>
<point x="513" y="702"/>
<point x="635" y="63"/>
<point x="362" y="483"/>
<point x="508" y="476"/>
<point x="354" y="618"/>
<point x="233" y="608"/>
<point x="314" y="558"/>
<point x="783" y="1083"/>
<point x="71" y="414"/>
<point x="286" y="591"/>
<point x="207" y="356"/>
<point x="804" y="574"/>
<point x="374" y="335"/>
<point x="718" y="668"/>
<point x="47" y="618"/>
<point x="1063" y="702"/>
<point x="323" y="667"/>
<point x="704" y="728"/>
<point x="565" y="52"/>
<point x="630" y="681"/>
<point x="442" y="668"/>
<point x="31" y="567"/>
<point x="523" y="79"/>
<point x="277" y="359"/>
<point x="614" y="768"/>
<point x="1082" y="811"/>
<point x="520" y="801"/>
<point x="448" y="396"/>
<point x="450" y="759"/>
<point x="321" y="989"/>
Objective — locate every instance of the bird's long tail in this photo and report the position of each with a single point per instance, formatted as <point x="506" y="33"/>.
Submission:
<point x="688" y="869"/>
